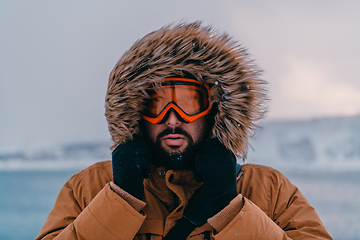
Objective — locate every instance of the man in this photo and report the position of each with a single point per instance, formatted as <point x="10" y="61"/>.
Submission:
<point x="180" y="105"/>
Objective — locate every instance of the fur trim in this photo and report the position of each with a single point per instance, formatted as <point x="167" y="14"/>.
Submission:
<point x="188" y="50"/>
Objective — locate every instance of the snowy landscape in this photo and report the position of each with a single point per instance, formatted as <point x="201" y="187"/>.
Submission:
<point x="321" y="157"/>
<point x="330" y="144"/>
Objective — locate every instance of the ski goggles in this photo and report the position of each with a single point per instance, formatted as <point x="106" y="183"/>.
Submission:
<point x="187" y="97"/>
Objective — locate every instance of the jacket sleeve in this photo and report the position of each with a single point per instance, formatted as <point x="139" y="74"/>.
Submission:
<point x="107" y="216"/>
<point x="288" y="216"/>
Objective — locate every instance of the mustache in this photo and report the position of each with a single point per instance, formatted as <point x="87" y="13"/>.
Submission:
<point x="176" y="130"/>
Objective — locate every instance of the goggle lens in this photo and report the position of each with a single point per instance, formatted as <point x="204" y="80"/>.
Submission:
<point x="186" y="96"/>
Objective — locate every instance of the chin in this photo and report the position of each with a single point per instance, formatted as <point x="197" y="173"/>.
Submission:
<point x="174" y="149"/>
<point x="173" y="159"/>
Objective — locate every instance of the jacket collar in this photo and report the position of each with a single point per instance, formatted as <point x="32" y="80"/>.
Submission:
<point x="166" y="195"/>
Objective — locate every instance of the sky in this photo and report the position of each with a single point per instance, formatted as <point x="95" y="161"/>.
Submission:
<point x="56" y="56"/>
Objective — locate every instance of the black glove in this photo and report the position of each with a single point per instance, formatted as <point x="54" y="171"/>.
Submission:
<point x="130" y="165"/>
<point x="216" y="168"/>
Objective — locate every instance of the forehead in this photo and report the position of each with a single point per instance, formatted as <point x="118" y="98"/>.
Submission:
<point x="170" y="89"/>
<point x="178" y="85"/>
<point x="175" y="82"/>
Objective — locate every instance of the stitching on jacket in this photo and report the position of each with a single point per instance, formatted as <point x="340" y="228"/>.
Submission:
<point x="263" y="235"/>
<point x="270" y="194"/>
<point x="97" y="222"/>
<point x="272" y="176"/>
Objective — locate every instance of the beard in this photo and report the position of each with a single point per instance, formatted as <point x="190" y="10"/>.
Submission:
<point x="174" y="160"/>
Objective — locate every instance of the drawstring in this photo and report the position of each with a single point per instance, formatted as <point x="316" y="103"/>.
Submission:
<point x="207" y="235"/>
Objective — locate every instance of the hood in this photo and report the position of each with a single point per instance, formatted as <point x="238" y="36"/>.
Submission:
<point x="188" y="50"/>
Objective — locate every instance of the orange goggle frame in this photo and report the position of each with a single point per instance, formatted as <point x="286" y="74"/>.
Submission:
<point x="187" y="97"/>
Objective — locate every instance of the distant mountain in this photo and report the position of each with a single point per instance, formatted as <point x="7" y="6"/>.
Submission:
<point x="55" y="156"/>
<point x="319" y="144"/>
<point x="328" y="144"/>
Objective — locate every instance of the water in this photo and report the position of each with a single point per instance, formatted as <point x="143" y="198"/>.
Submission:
<point x="335" y="196"/>
<point x="26" y="197"/>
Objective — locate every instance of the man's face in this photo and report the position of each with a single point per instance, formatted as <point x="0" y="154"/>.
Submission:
<point x="173" y="143"/>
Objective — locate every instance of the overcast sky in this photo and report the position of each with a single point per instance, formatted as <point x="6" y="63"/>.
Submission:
<point x="55" y="58"/>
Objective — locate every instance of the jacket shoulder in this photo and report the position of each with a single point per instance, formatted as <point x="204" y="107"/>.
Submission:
<point x="103" y="168"/>
<point x="264" y="171"/>
<point x="263" y="185"/>
<point x="264" y="178"/>
<point x="86" y="184"/>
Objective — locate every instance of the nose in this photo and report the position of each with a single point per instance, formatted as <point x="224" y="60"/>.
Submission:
<point x="172" y="120"/>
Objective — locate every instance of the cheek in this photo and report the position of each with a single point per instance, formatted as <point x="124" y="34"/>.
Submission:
<point x="198" y="130"/>
<point x="151" y="130"/>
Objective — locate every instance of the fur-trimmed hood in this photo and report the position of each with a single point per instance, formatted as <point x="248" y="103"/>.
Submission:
<point x="191" y="50"/>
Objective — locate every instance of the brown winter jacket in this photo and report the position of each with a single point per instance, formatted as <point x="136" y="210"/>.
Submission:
<point x="87" y="208"/>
